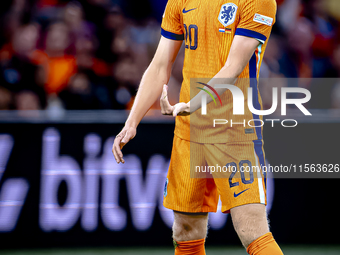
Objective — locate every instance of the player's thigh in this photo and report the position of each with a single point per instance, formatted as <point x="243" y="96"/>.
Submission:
<point x="239" y="178"/>
<point x="189" y="226"/>
<point x="183" y="192"/>
<point x="250" y="222"/>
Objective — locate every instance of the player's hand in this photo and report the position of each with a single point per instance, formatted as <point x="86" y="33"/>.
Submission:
<point x="121" y="139"/>
<point x="180" y="109"/>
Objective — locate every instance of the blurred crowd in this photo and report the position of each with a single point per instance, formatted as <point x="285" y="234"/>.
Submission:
<point x="305" y="44"/>
<point x="91" y="54"/>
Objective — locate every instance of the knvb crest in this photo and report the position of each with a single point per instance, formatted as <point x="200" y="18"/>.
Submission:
<point x="227" y="14"/>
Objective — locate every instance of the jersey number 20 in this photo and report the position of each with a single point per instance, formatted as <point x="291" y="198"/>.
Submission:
<point x="192" y="33"/>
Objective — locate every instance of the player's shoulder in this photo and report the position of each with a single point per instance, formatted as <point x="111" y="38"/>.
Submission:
<point x="185" y="2"/>
<point x="258" y="3"/>
<point x="178" y="3"/>
<point x="265" y="7"/>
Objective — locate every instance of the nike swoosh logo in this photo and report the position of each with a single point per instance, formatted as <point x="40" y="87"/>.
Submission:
<point x="237" y="194"/>
<point x="186" y="11"/>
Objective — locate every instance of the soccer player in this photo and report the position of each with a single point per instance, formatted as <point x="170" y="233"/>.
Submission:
<point x="224" y="40"/>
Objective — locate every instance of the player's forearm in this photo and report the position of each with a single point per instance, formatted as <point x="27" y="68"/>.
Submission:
<point x="241" y="51"/>
<point x="231" y="71"/>
<point x="149" y="91"/>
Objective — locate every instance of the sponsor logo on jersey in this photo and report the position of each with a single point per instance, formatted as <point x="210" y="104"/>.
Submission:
<point x="227" y="14"/>
<point x="186" y="11"/>
<point x="263" y="19"/>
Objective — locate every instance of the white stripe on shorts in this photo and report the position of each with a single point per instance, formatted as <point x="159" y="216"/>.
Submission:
<point x="259" y="180"/>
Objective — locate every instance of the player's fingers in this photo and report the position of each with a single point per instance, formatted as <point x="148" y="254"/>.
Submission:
<point x="166" y="107"/>
<point x="163" y="108"/>
<point x="164" y="92"/>
<point x="114" y="153"/>
<point x="177" y="110"/>
<point x="117" y="152"/>
<point x="164" y="95"/>
<point x="117" y="149"/>
<point x="180" y="109"/>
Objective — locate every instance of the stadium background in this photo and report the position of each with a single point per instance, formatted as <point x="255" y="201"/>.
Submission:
<point x="69" y="71"/>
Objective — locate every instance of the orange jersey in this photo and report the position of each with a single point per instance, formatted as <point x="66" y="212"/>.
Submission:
<point x="208" y="28"/>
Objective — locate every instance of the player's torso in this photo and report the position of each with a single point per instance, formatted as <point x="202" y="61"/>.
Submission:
<point x="209" y="28"/>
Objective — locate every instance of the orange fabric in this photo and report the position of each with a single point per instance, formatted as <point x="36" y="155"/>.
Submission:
<point x="60" y="70"/>
<point x="206" y="53"/>
<point x="190" y="190"/>
<point x="264" y="245"/>
<point x="195" y="247"/>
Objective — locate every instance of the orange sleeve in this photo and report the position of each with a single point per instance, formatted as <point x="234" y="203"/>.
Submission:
<point x="257" y="18"/>
<point x="172" y="27"/>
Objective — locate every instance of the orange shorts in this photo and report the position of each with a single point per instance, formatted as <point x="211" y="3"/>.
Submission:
<point x="200" y="174"/>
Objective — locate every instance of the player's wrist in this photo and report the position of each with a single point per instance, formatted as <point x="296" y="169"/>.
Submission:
<point x="131" y="124"/>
